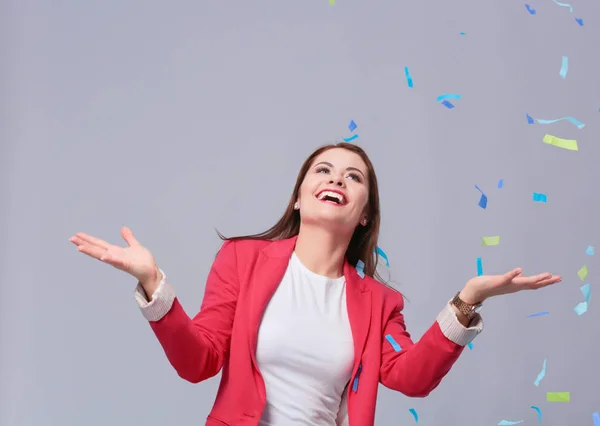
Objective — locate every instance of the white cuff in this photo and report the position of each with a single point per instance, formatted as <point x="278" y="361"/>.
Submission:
<point x="454" y="330"/>
<point x="161" y="302"/>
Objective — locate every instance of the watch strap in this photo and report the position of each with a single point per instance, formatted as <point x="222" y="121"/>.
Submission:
<point x="465" y="308"/>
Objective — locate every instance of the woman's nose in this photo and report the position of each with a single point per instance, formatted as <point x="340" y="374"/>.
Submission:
<point x="338" y="182"/>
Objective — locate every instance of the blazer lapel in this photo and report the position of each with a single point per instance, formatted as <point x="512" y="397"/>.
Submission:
<point x="358" y="303"/>
<point x="270" y="267"/>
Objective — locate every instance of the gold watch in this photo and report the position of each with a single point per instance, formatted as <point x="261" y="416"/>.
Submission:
<point x="464" y="308"/>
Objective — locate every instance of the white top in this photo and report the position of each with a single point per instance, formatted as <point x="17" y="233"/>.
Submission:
<point x="305" y="350"/>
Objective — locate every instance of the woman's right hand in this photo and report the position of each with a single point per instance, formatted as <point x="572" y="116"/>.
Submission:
<point x="136" y="259"/>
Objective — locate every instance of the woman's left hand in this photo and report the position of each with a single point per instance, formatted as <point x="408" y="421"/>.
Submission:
<point x="483" y="287"/>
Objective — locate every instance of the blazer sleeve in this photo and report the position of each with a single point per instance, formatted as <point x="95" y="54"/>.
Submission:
<point x="197" y="347"/>
<point x="415" y="369"/>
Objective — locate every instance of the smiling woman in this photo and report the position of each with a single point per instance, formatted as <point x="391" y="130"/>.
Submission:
<point x="300" y="336"/>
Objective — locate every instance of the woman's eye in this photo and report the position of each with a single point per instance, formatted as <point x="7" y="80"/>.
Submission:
<point x="322" y="169"/>
<point x="355" y="177"/>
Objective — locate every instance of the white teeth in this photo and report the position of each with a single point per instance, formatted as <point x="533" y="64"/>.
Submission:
<point x="335" y="195"/>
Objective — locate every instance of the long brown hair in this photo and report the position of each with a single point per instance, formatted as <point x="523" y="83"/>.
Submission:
<point x="363" y="243"/>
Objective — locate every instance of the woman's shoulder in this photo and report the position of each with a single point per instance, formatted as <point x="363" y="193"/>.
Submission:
<point x="384" y="292"/>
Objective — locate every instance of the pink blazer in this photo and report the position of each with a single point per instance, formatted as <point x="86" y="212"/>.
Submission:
<point x="223" y="335"/>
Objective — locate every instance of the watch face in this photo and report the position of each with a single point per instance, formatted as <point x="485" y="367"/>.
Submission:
<point x="477" y="308"/>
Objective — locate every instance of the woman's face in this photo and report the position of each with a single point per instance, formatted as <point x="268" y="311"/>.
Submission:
<point x="335" y="190"/>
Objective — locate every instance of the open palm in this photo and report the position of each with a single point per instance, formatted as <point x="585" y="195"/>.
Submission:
<point x="135" y="259"/>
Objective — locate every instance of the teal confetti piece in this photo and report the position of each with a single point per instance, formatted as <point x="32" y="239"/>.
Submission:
<point x="571" y="120"/>
<point x="590" y="251"/>
<point x="395" y="345"/>
<point x="409" y="79"/>
<point x="564" y="5"/>
<point x="414" y="413"/>
<point x="447" y="96"/>
<point x="539" y="413"/>
<point x="541" y="375"/>
<point x="360" y="268"/>
<point x="564" y="68"/>
<point x="470" y="345"/>
<point x="381" y="253"/>
<point x="479" y="267"/>
<point x="540" y="198"/>
<point x="351" y="138"/>
<point x="509" y="423"/>
<point x="582" y="307"/>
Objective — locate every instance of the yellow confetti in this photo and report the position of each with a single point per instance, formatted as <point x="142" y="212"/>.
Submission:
<point x="332" y="2"/>
<point x="558" y="396"/>
<point x="582" y="272"/>
<point x="570" y="144"/>
<point x="490" y="241"/>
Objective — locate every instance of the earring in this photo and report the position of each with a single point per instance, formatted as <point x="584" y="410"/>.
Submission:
<point x="364" y="221"/>
<point x="296" y="206"/>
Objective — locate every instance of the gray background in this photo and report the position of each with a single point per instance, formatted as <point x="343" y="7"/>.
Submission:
<point x="175" y="119"/>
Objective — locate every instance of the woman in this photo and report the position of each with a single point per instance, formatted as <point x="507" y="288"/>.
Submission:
<point x="302" y="336"/>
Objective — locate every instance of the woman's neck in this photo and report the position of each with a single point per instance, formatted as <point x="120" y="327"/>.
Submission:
<point x="321" y="251"/>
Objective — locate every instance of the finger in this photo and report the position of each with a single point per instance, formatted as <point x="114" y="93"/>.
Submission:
<point x="92" y="240"/>
<point x="509" y="276"/>
<point x="92" y="251"/>
<point x="128" y="236"/>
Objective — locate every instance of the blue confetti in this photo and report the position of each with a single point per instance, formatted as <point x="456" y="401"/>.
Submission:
<point x="355" y="383"/>
<point x="462" y="33"/>
<point x="447" y="96"/>
<point x="529" y="119"/>
<point x="500" y="183"/>
<point x="582" y="307"/>
<point x="564" y="67"/>
<point x="483" y="199"/>
<point x="352" y="126"/>
<point x="470" y="345"/>
<point x="530" y="10"/>
<point x="381" y="253"/>
<point x="596" y="418"/>
<point x="447" y="104"/>
<point x="590" y="251"/>
<point x="579" y="21"/>
<point x="541" y="375"/>
<point x="509" y="423"/>
<point x="360" y="268"/>
<point x="571" y="120"/>
<point x="479" y="267"/>
<point x="539" y="413"/>
<point x="395" y="345"/>
<point x="351" y="138"/>
<point x="540" y="198"/>
<point x="538" y="314"/>
<point x="409" y="79"/>
<point x="414" y="413"/>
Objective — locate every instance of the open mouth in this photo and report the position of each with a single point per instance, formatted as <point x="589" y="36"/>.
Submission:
<point x="332" y="198"/>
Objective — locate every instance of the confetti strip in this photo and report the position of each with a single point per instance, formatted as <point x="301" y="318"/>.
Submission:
<point x="352" y="126"/>
<point x="564" y="68"/>
<point x="395" y="345"/>
<point x="381" y="253"/>
<point x="447" y="104"/>
<point x="409" y="79"/>
<point x="582" y="273"/>
<point x="479" y="267"/>
<point x="579" y="21"/>
<point x="564" y="5"/>
<point x="571" y="120"/>
<point x="490" y="241"/>
<point x="541" y="375"/>
<point x="508" y="422"/>
<point x="582" y="307"/>
<point x="530" y="10"/>
<point x="447" y="96"/>
<point x="539" y="314"/>
<point x="483" y="200"/>
<point x="596" y="418"/>
<point x="355" y="383"/>
<point x="500" y="183"/>
<point x="540" y="198"/>
<point x="360" y="268"/>
<point x="351" y="138"/>
<point x="558" y="397"/>
<point x="590" y="251"/>
<point x="539" y="413"/>
<point x="462" y="33"/>
<point x="414" y="413"/>
<point x="570" y="144"/>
